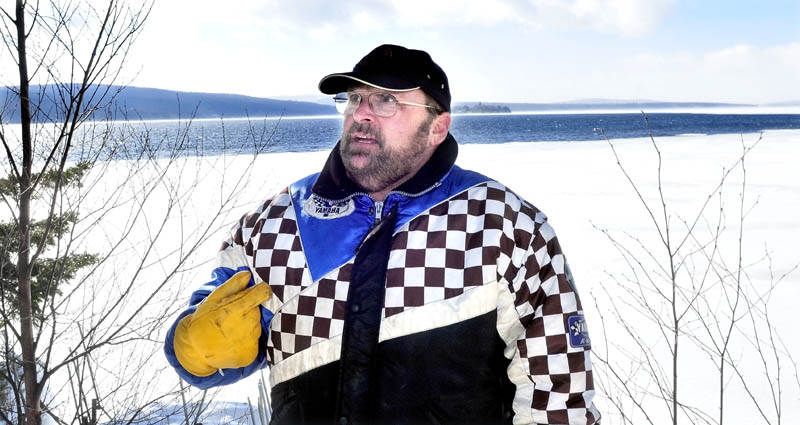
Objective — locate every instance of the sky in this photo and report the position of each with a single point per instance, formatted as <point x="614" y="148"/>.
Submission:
<point x="492" y="51"/>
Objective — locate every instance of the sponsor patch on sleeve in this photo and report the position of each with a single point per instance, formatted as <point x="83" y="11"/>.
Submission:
<point x="578" y="331"/>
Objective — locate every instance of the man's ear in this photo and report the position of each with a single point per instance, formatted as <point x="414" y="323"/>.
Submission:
<point x="439" y="128"/>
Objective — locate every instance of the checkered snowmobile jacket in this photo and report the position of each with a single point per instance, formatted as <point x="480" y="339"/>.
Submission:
<point x="448" y="303"/>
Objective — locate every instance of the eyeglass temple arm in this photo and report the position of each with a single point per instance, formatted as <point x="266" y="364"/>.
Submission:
<point x="415" y="104"/>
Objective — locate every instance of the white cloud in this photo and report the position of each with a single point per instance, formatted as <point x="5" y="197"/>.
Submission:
<point x="310" y="17"/>
<point x="739" y="73"/>
<point x="628" y="17"/>
<point x="324" y="32"/>
<point x="490" y="49"/>
<point x="425" y="13"/>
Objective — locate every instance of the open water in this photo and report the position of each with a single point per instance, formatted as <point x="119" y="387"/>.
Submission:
<point x="211" y="137"/>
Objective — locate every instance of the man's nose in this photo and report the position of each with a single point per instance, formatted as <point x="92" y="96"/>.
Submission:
<point x="363" y="111"/>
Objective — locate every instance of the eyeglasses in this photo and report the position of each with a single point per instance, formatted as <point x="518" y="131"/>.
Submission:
<point x="382" y="104"/>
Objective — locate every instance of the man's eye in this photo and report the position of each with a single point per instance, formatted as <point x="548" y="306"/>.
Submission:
<point x="386" y="98"/>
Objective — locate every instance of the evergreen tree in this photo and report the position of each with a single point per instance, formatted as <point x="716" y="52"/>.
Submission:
<point x="49" y="272"/>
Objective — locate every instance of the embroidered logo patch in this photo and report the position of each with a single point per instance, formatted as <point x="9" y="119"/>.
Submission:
<point x="578" y="331"/>
<point x="324" y="210"/>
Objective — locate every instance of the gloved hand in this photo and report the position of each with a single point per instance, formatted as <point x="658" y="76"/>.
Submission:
<point x="223" y="332"/>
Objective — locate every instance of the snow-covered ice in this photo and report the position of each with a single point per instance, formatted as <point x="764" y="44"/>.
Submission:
<point x="583" y="191"/>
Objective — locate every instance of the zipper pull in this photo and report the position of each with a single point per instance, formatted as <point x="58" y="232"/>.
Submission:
<point x="378" y="226"/>
<point x="378" y="211"/>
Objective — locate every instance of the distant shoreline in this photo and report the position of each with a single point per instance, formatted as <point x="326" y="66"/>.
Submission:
<point x="146" y="104"/>
<point x="713" y="110"/>
<point x="793" y="114"/>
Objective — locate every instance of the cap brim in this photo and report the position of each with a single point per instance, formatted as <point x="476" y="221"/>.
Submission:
<point x="338" y="83"/>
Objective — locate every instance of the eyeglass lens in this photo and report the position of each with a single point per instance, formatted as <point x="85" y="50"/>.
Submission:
<point x="382" y="104"/>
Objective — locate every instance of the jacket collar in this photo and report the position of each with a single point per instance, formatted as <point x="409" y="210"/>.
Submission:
<point x="333" y="182"/>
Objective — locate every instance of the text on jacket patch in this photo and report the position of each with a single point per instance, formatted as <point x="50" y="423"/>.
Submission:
<point x="578" y="331"/>
<point x="327" y="210"/>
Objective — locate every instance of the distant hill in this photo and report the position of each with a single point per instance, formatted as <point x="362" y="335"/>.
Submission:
<point x="592" y="104"/>
<point x="147" y="103"/>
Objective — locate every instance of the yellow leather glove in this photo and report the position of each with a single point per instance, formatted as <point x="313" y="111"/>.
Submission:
<point x="223" y="332"/>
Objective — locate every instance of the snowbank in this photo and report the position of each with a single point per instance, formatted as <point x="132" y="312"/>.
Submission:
<point x="583" y="191"/>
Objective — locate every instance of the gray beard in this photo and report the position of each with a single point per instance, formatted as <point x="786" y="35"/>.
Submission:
<point x="386" y="167"/>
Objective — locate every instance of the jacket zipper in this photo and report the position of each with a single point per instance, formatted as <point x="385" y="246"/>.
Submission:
<point x="379" y="206"/>
<point x="399" y="192"/>
<point x="418" y="194"/>
<point x="374" y="229"/>
<point x="378" y="211"/>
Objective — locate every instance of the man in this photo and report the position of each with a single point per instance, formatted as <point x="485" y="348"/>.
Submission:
<point x="402" y="288"/>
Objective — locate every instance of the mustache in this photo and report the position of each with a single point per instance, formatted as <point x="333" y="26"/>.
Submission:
<point x="365" y="129"/>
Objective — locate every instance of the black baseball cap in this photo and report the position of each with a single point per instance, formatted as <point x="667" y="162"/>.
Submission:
<point x="394" y="68"/>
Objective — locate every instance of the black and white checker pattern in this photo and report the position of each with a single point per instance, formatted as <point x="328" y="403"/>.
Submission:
<point x="482" y="235"/>
<point x="307" y="314"/>
<point x="454" y="246"/>
<point x="489" y="234"/>
<point x="316" y="314"/>
<point x="272" y="244"/>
